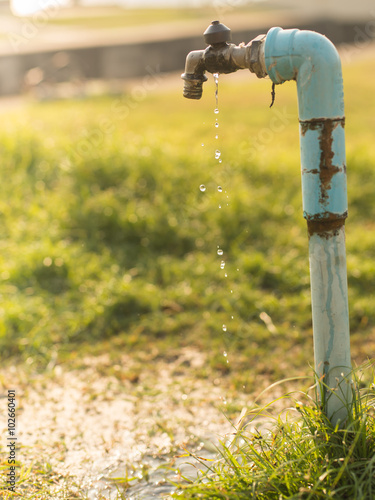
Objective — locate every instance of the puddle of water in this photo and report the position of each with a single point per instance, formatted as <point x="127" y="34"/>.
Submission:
<point x="155" y="476"/>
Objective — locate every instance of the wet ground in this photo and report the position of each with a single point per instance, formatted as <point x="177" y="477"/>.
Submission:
<point x="123" y="431"/>
<point x="155" y="476"/>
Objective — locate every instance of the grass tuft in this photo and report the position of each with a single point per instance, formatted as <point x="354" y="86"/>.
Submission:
<point x="296" y="455"/>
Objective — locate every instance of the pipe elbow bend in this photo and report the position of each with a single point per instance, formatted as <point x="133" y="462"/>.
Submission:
<point x="287" y="52"/>
<point x="313" y="61"/>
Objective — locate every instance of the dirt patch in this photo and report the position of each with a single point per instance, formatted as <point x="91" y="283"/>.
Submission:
<point x="85" y="421"/>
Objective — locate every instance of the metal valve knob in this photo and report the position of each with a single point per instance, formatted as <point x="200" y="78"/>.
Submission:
<point x="217" y="33"/>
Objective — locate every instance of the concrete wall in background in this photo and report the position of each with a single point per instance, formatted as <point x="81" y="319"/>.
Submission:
<point x="140" y="59"/>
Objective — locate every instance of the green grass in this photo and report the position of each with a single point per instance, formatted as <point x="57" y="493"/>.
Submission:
<point x="296" y="455"/>
<point x="108" y="244"/>
<point x="40" y="480"/>
<point x="108" y="234"/>
<point x="105" y="233"/>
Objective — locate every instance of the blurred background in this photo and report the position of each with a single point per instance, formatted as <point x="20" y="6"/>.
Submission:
<point x="128" y="219"/>
<point x="46" y="43"/>
<point x="150" y="248"/>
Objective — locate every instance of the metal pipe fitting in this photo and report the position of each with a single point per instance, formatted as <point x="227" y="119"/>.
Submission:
<point x="221" y="57"/>
<point x="194" y="76"/>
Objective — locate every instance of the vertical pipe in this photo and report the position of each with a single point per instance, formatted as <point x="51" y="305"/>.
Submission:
<point x="312" y="60"/>
<point x="330" y="320"/>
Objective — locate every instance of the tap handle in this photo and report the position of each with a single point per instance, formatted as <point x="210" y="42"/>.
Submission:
<point x="217" y="33"/>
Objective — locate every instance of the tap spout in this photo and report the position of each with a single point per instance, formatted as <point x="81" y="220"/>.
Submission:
<point x="194" y="76"/>
<point x="221" y="57"/>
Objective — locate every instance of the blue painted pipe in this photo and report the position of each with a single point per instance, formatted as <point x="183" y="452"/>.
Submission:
<point x="312" y="60"/>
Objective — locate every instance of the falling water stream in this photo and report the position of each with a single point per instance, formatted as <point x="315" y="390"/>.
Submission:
<point x="218" y="157"/>
<point x="156" y="476"/>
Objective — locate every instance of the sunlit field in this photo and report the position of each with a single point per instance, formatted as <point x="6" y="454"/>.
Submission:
<point x="122" y="233"/>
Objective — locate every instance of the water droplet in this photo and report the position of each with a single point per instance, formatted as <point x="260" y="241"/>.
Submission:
<point x="220" y="189"/>
<point x="217" y="154"/>
<point x="202" y="187"/>
<point x="225" y="354"/>
<point x="224" y="328"/>
<point x="216" y="111"/>
<point x="222" y="265"/>
<point x="219" y="206"/>
<point x="216" y="124"/>
<point x="216" y="79"/>
<point x="220" y="160"/>
<point x="220" y="251"/>
<point x="226" y="275"/>
<point x="216" y="136"/>
<point x="202" y="144"/>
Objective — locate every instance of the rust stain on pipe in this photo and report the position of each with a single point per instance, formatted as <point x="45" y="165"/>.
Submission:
<point x="327" y="224"/>
<point x="326" y="228"/>
<point x="316" y="123"/>
<point x="326" y="169"/>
